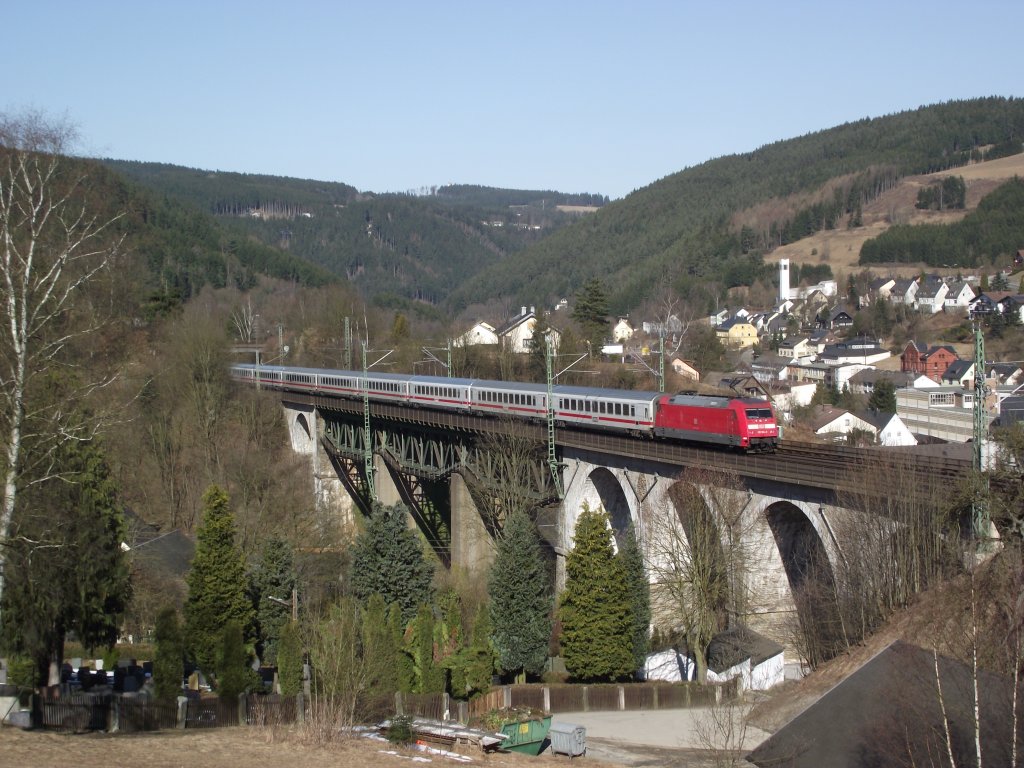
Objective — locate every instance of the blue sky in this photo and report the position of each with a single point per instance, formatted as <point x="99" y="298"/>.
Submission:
<point x="389" y="95"/>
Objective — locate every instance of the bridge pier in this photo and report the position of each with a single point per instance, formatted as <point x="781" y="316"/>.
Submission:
<point x="305" y="428"/>
<point x="472" y="545"/>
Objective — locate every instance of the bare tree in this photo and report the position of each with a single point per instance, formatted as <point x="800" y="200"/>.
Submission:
<point x="51" y="248"/>
<point x="905" y="539"/>
<point x="508" y="473"/>
<point x="245" y="319"/>
<point x="699" y="559"/>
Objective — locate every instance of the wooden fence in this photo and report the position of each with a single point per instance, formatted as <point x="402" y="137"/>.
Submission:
<point x="77" y="712"/>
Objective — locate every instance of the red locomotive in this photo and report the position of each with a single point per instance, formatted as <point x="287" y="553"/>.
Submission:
<point x="741" y="422"/>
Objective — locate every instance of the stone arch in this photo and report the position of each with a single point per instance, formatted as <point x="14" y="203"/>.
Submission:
<point x="303" y="423"/>
<point x="804" y="556"/>
<point x="603" y="489"/>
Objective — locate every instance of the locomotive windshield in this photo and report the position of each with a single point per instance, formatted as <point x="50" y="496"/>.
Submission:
<point x="759" y="413"/>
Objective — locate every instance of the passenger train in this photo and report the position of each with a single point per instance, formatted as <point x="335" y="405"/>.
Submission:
<point x="745" y="423"/>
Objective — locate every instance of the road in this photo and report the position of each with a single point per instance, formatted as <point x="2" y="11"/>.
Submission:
<point x="666" y="737"/>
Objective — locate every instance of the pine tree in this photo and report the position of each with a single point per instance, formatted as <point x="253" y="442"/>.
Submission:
<point x="289" y="659"/>
<point x="216" y="582"/>
<point x="640" y="595"/>
<point x="234" y="675"/>
<point x="273" y="577"/>
<point x="429" y="675"/>
<point x="883" y="397"/>
<point x="169" y="657"/>
<point x="520" y="599"/>
<point x="66" y="570"/>
<point x="597" y="620"/>
<point x="387" y="559"/>
<point x="591" y="312"/>
<point x="382" y="650"/>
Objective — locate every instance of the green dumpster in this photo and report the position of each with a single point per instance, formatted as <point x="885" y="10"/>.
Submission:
<point x="527" y="736"/>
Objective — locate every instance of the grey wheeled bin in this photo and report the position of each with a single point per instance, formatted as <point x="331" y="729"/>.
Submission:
<point x="568" y="739"/>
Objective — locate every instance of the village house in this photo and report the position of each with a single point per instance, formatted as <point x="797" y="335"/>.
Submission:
<point x="685" y="369"/>
<point x="931" y="361"/>
<point x="904" y="291"/>
<point x="931" y="296"/>
<point x="986" y="303"/>
<point x="864" y="382"/>
<point x="786" y="397"/>
<point x="1013" y="305"/>
<point x="672" y="327"/>
<point x="743" y="384"/>
<point x="480" y="333"/>
<point x="839" y="318"/>
<point x="517" y="333"/>
<point x="718" y="317"/>
<point x="958" y="296"/>
<point x="1005" y="374"/>
<point x="622" y="331"/>
<point x="829" y="420"/>
<point x="796" y="346"/>
<point x="769" y="368"/>
<point x="889" y="428"/>
<point x="960" y="373"/>
<point x="879" y="288"/>
<point x="861" y="349"/>
<point x="736" y="333"/>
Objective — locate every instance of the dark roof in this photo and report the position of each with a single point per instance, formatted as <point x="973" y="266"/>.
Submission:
<point x="734" y="646"/>
<point x="823" y="415"/>
<point x="878" y="419"/>
<point x="731" y="322"/>
<point x="517" y="320"/>
<point x="957" y="370"/>
<point x="874" y="375"/>
<point x="1003" y="370"/>
<point x="889" y="707"/>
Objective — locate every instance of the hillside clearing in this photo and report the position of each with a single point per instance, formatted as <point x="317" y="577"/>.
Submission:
<point x="840" y="248"/>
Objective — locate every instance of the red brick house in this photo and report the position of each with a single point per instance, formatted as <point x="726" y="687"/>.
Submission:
<point x="928" y="361"/>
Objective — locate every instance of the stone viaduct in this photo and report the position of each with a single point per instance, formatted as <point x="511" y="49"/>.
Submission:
<point x="781" y="523"/>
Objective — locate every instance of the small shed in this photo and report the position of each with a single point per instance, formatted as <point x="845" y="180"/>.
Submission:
<point x="739" y="652"/>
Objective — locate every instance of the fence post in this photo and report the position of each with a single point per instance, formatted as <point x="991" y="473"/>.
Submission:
<point x="114" y="715"/>
<point x="654" y="697"/>
<point x="464" y="712"/>
<point x="182" y="711"/>
<point x="586" y="700"/>
<point x="243" y="713"/>
<point x="622" y="699"/>
<point x="508" y="696"/>
<point x="398" y="703"/>
<point x="547" y="699"/>
<point x="300" y="708"/>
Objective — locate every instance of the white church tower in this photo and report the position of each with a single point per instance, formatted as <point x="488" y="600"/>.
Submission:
<point x="783" y="280"/>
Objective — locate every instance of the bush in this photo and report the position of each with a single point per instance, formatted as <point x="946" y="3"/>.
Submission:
<point x="400" y="730"/>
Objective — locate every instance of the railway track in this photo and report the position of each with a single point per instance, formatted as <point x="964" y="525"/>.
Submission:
<point x="812" y="464"/>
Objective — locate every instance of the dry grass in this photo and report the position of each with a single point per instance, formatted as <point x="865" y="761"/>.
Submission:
<point x="226" y="748"/>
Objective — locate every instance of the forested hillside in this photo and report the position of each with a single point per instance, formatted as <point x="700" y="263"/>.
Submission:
<point x="397" y="249"/>
<point x="995" y="229"/>
<point x="704" y="229"/>
<point x="174" y="250"/>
